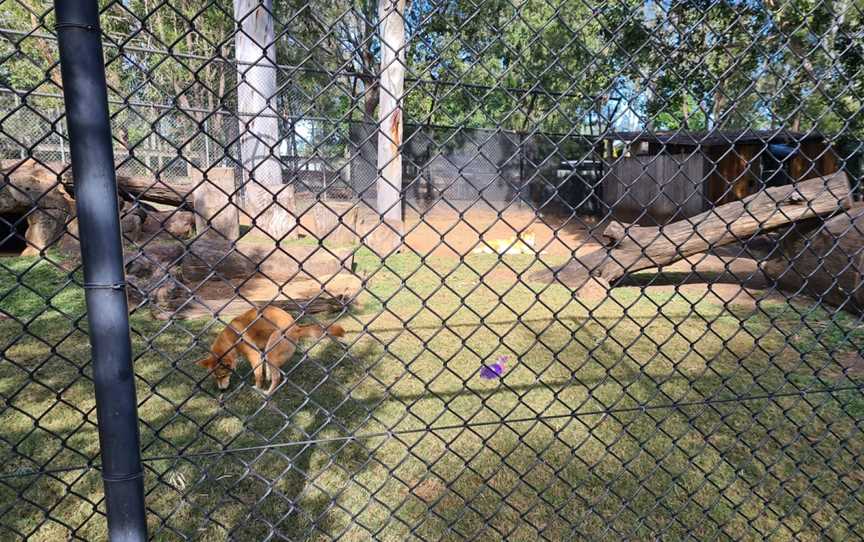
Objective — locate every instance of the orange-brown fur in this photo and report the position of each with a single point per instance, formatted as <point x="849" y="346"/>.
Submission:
<point x="270" y="332"/>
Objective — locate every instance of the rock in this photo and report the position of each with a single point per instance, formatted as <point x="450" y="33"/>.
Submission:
<point x="161" y="292"/>
<point x="177" y="223"/>
<point x="32" y="189"/>
<point x="167" y="296"/>
<point x="152" y="256"/>
<point x="45" y="228"/>
<point x="130" y="225"/>
<point x="224" y="260"/>
<point x="154" y="279"/>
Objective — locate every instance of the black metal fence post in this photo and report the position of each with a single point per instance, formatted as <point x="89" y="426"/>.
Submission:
<point x="86" y="98"/>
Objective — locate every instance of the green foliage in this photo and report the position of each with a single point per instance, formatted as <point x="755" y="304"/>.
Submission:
<point x="556" y="66"/>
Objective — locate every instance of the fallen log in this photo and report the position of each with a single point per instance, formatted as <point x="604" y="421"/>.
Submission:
<point x="822" y="259"/>
<point x="177" y="192"/>
<point x="634" y="248"/>
<point x="206" y="259"/>
<point x="322" y="303"/>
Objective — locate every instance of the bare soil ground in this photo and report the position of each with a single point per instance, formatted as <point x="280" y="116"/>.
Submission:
<point x="443" y="231"/>
<point x="447" y="233"/>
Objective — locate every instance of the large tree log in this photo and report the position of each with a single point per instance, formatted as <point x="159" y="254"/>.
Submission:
<point x="177" y="192"/>
<point x="823" y="259"/>
<point x="634" y="248"/>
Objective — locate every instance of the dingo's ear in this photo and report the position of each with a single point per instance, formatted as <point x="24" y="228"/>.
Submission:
<point x="207" y="362"/>
<point x="336" y="330"/>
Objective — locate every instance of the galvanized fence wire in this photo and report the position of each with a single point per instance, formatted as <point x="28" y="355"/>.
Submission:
<point x="597" y="266"/>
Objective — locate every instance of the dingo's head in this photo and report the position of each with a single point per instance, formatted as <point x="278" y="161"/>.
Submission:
<point x="220" y="369"/>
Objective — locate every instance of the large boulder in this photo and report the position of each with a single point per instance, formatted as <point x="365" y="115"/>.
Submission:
<point x="153" y="277"/>
<point x="179" y="224"/>
<point x="34" y="191"/>
<point x="131" y="220"/>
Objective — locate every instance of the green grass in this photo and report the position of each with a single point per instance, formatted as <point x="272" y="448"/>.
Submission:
<point x="785" y="468"/>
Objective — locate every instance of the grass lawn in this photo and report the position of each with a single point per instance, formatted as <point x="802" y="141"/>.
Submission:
<point x="560" y="448"/>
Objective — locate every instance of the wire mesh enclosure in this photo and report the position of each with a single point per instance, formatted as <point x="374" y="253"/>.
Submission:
<point x="445" y="270"/>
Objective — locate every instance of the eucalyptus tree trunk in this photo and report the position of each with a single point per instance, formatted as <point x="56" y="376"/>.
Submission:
<point x="267" y="199"/>
<point x="391" y="88"/>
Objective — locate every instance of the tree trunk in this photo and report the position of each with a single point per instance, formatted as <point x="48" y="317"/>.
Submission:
<point x="635" y="248"/>
<point x="268" y="200"/>
<point x="719" y="107"/>
<point x="685" y="113"/>
<point x="391" y="88"/>
<point x="371" y="101"/>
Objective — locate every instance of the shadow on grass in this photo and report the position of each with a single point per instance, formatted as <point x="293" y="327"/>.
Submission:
<point x="271" y="486"/>
<point x="742" y="470"/>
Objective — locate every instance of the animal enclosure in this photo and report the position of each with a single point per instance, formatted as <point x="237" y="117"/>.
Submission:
<point x="672" y="175"/>
<point x="661" y="188"/>
<point x="516" y="270"/>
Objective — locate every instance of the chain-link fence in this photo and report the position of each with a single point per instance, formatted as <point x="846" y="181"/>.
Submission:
<point x="485" y="270"/>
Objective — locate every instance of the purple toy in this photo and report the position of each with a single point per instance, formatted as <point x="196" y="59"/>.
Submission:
<point x="495" y="370"/>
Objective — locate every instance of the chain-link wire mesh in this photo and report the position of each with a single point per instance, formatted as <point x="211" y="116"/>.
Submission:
<point x="598" y="268"/>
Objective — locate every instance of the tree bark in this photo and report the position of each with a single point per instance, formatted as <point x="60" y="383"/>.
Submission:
<point x="391" y="89"/>
<point x="823" y="259"/>
<point x="268" y="200"/>
<point x="719" y="107"/>
<point x="178" y="192"/>
<point x="372" y="97"/>
<point x="634" y="248"/>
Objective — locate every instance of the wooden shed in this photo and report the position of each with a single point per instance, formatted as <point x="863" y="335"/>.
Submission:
<point x="664" y="176"/>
